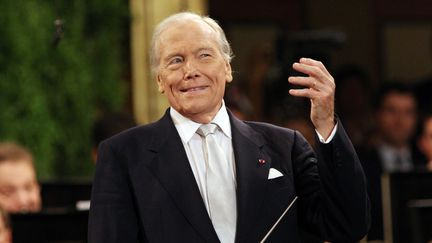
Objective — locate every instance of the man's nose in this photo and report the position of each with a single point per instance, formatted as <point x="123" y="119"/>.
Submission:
<point x="23" y="200"/>
<point x="190" y="70"/>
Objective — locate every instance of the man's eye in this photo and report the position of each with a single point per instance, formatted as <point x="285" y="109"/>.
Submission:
<point x="204" y="55"/>
<point x="175" y="60"/>
<point x="6" y="192"/>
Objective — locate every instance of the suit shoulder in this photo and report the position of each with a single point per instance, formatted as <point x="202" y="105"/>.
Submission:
<point x="264" y="127"/>
<point x="139" y="134"/>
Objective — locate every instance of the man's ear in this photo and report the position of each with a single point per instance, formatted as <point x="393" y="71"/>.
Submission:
<point x="160" y="84"/>
<point x="228" y="72"/>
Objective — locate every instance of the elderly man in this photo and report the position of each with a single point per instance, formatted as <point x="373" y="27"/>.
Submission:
<point x="201" y="175"/>
<point x="19" y="189"/>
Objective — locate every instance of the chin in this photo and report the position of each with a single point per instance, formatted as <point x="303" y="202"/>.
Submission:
<point x="193" y="110"/>
<point x="196" y="110"/>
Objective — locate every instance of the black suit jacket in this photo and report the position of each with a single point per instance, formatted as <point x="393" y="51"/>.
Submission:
<point x="372" y="165"/>
<point x="144" y="189"/>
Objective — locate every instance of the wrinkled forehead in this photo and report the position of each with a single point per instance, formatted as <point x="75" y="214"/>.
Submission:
<point x="185" y="30"/>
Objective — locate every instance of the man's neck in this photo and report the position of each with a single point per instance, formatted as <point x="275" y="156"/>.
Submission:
<point x="203" y="117"/>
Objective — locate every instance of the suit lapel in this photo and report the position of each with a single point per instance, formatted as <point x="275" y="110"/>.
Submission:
<point x="172" y="168"/>
<point x="252" y="168"/>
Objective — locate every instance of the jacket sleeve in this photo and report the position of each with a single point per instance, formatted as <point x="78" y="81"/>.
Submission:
<point x="331" y="185"/>
<point x="112" y="211"/>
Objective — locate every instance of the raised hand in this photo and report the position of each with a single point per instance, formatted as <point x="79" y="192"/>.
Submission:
<point x="319" y="87"/>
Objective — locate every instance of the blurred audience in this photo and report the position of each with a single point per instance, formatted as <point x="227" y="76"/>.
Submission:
<point x="260" y="63"/>
<point x="352" y="102"/>
<point x="5" y="227"/>
<point x="19" y="189"/>
<point x="238" y="103"/>
<point x="390" y="147"/>
<point x="424" y="141"/>
<point x="304" y="126"/>
<point x="107" y="126"/>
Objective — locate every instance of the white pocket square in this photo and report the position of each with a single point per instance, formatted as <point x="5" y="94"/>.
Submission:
<point x="273" y="173"/>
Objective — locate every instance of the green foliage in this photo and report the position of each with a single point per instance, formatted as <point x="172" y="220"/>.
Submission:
<point x="50" y="94"/>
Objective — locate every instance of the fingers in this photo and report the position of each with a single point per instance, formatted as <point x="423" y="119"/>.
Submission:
<point x="308" y="93"/>
<point x="309" y="82"/>
<point x="318" y="64"/>
<point x="318" y="77"/>
<point x="319" y="87"/>
<point x="314" y="88"/>
<point x="313" y="68"/>
<point x="308" y="69"/>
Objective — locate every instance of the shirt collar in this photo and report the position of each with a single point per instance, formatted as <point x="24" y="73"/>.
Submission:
<point x="187" y="128"/>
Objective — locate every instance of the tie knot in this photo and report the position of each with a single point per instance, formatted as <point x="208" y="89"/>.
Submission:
<point x="206" y="129"/>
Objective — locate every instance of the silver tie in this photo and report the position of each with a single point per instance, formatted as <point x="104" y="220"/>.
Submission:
<point x="221" y="192"/>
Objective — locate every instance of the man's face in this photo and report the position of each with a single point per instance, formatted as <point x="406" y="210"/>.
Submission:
<point x="192" y="71"/>
<point x="425" y="141"/>
<point x="396" y="118"/>
<point x="19" y="190"/>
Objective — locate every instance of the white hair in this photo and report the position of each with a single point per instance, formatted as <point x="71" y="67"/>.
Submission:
<point x="222" y="41"/>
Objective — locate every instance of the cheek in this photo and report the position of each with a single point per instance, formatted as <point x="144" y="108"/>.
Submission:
<point x="36" y="192"/>
<point x="221" y="80"/>
<point x="173" y="80"/>
<point x="408" y="122"/>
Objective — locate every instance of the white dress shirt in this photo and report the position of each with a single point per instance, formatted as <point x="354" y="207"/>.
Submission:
<point x="193" y="146"/>
<point x="192" y="143"/>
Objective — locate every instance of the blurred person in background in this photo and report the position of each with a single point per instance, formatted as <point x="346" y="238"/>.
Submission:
<point x="390" y="147"/>
<point x="239" y="104"/>
<point x="304" y="127"/>
<point x="19" y="188"/>
<point x="424" y="141"/>
<point x="352" y="102"/>
<point x="5" y="227"/>
<point x="295" y="115"/>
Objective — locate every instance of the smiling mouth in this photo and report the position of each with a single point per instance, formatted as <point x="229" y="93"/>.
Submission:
<point x="193" y="89"/>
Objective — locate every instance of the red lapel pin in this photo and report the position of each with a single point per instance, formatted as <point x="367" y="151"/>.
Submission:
<point x="261" y="161"/>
